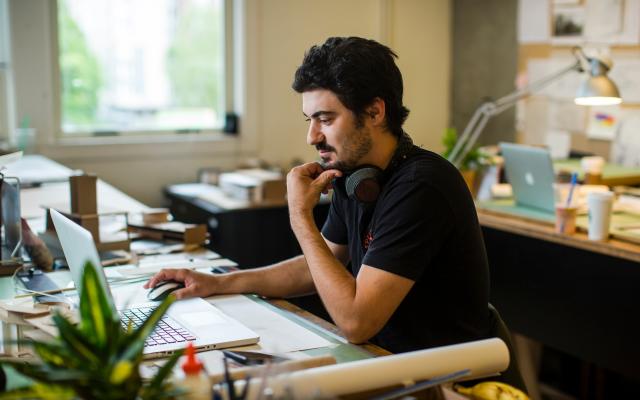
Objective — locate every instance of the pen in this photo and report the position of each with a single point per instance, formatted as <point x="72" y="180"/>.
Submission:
<point x="43" y="293"/>
<point x="239" y="358"/>
<point x="574" y="178"/>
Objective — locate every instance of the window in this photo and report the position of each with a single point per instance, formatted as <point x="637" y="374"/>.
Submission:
<point x="4" y="72"/>
<point x="140" y="66"/>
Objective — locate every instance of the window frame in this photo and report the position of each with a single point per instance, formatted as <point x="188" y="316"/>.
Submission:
<point x="143" y="136"/>
<point x="6" y="87"/>
<point x="34" y="81"/>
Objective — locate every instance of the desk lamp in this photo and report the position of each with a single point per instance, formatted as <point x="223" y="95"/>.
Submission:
<point x="596" y="90"/>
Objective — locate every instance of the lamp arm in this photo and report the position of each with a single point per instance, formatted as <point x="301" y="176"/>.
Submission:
<point x="526" y="91"/>
<point x="457" y="153"/>
<point x="488" y="109"/>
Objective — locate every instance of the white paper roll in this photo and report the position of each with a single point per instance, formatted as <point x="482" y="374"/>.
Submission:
<point x="483" y="358"/>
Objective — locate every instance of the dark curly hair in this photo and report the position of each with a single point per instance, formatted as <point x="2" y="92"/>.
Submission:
<point x="357" y="70"/>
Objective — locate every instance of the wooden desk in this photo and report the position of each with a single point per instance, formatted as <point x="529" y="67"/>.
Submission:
<point x="567" y="292"/>
<point x="55" y="192"/>
<point x="47" y="183"/>
<point x="612" y="174"/>
<point x="252" y="236"/>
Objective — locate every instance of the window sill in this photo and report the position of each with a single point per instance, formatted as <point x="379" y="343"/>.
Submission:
<point x="141" y="146"/>
<point x="151" y="138"/>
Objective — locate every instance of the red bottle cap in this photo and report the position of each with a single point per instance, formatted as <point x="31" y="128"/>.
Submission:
<point x="191" y="365"/>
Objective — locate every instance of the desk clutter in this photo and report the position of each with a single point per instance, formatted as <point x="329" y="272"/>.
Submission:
<point x="254" y="185"/>
<point x="574" y="195"/>
<point x="72" y="336"/>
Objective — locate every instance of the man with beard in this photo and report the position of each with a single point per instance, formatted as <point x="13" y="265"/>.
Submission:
<point x="400" y="260"/>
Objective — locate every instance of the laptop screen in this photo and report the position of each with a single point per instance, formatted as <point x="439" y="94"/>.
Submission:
<point x="78" y="247"/>
<point x="530" y="172"/>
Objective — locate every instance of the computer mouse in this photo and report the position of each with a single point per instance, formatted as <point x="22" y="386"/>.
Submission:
<point x="160" y="291"/>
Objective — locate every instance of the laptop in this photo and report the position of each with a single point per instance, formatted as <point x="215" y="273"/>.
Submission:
<point x="194" y="320"/>
<point x="530" y="172"/>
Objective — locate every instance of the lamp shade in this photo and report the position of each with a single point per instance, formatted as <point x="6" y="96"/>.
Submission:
<point x="598" y="89"/>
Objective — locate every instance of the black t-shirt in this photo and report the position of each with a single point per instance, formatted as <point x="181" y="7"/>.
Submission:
<point x="423" y="227"/>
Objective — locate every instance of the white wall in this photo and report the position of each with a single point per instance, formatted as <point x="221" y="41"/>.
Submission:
<point x="278" y="33"/>
<point x="417" y="30"/>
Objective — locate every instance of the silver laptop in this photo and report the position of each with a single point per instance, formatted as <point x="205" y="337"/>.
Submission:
<point x="193" y="320"/>
<point x="530" y="172"/>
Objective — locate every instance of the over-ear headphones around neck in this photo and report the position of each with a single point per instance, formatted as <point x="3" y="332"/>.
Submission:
<point x="365" y="183"/>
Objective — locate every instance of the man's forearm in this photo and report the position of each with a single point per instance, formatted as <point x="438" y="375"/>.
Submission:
<point x="284" y="279"/>
<point x="333" y="282"/>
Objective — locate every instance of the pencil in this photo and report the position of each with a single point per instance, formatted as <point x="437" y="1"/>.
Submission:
<point x="43" y="293"/>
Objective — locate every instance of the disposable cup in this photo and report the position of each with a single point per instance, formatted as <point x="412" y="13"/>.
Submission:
<point x="566" y="219"/>
<point x="600" y="205"/>
<point x="592" y="167"/>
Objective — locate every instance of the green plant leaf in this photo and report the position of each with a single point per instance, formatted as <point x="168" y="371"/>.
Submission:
<point x="40" y="391"/>
<point x="72" y="337"/>
<point x="55" y="354"/>
<point x="43" y="373"/>
<point x="156" y="388"/>
<point x="97" y="313"/>
<point x="97" y="358"/>
<point x="135" y="341"/>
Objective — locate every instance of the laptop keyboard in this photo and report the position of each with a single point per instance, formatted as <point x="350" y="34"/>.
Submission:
<point x="167" y="331"/>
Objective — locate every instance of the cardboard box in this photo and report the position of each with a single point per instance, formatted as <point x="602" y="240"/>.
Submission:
<point x="254" y="185"/>
<point x="84" y="198"/>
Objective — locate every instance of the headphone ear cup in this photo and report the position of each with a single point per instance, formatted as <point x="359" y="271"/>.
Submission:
<point x="363" y="185"/>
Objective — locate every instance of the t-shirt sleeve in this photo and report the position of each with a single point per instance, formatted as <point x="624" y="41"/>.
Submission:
<point x="409" y="230"/>
<point x="334" y="228"/>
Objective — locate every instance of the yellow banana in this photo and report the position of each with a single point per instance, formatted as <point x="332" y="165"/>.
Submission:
<point x="493" y="391"/>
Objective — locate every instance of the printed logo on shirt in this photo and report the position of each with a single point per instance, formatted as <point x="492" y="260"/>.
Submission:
<point x="368" y="238"/>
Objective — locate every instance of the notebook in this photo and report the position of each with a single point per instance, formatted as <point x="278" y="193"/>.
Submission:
<point x="193" y="320"/>
<point x="530" y="172"/>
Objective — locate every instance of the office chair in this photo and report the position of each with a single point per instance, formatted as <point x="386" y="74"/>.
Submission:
<point x="512" y="375"/>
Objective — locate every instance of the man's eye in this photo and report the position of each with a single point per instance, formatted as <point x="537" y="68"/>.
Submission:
<point x="325" y="121"/>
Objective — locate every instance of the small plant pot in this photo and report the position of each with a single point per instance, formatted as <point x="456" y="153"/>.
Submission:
<point x="469" y="176"/>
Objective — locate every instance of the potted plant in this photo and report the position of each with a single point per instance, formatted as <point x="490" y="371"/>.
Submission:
<point x="472" y="161"/>
<point x="96" y="358"/>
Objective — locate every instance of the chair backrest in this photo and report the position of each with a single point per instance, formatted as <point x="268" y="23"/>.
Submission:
<point x="511" y="375"/>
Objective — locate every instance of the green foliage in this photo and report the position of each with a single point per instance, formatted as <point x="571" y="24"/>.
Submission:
<point x="96" y="358"/>
<point x="474" y="158"/>
<point x="80" y="75"/>
<point x="192" y="60"/>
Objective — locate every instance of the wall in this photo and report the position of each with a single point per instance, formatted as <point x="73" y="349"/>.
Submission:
<point x="278" y="33"/>
<point x="418" y="31"/>
<point x="485" y="54"/>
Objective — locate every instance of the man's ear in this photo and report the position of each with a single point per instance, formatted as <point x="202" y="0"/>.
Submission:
<point x="376" y="111"/>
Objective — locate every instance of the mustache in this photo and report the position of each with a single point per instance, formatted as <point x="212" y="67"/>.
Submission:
<point x="325" y="147"/>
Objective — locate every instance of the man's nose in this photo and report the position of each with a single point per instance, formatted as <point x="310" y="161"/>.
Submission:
<point x="314" y="135"/>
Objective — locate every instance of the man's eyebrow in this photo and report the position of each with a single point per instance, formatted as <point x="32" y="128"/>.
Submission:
<point x="320" y="113"/>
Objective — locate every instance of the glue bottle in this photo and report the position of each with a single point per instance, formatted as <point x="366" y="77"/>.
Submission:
<point x="196" y="381"/>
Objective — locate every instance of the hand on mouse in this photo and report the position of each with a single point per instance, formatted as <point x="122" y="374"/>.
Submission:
<point x="196" y="284"/>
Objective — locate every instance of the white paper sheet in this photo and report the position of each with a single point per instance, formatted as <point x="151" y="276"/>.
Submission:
<point x="533" y="21"/>
<point x="277" y="333"/>
<point x="626" y="74"/>
<point x="612" y="21"/>
<point x="604" y="21"/>
<point x="603" y="122"/>
<point x="565" y="115"/>
<point x="564" y="88"/>
<point x="559" y="143"/>
<point x="151" y="268"/>
<point x="535" y="121"/>
<point x="626" y="146"/>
